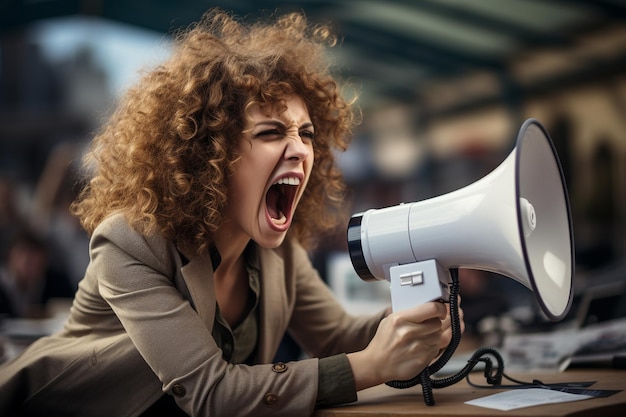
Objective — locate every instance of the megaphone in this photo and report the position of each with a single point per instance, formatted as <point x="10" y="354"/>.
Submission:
<point x="515" y="221"/>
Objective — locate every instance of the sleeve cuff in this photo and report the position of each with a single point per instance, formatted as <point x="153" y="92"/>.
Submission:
<point x="336" y="382"/>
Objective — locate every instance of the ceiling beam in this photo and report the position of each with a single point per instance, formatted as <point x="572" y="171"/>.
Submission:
<point x="15" y="14"/>
<point x="376" y="43"/>
<point x="469" y="17"/>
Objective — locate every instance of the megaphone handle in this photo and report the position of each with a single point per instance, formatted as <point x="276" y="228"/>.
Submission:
<point x="424" y="377"/>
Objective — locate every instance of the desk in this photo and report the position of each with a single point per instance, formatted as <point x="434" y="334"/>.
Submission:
<point x="383" y="401"/>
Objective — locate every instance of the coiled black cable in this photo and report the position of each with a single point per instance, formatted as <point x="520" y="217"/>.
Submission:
<point x="493" y="375"/>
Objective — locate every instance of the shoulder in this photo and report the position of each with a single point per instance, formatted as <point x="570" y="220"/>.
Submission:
<point x="114" y="235"/>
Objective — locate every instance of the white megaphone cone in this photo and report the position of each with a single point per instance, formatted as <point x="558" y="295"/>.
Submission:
<point x="515" y="221"/>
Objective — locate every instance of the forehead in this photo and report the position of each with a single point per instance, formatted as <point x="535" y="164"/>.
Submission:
<point x="289" y="109"/>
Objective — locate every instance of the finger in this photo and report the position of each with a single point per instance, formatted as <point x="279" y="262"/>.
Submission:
<point x="424" y="312"/>
<point x="446" y="323"/>
<point x="427" y="330"/>
<point x="443" y="309"/>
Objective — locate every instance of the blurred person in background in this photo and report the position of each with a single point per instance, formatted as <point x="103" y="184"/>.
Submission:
<point x="209" y="183"/>
<point x="27" y="282"/>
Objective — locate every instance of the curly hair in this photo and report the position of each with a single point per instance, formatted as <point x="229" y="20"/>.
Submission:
<point x="165" y="155"/>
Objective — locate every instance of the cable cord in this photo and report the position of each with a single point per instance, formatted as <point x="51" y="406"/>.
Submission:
<point x="492" y="374"/>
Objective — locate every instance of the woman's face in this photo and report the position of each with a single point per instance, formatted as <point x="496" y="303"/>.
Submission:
<point x="276" y="158"/>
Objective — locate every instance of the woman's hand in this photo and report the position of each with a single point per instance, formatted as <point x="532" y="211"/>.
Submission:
<point x="404" y="344"/>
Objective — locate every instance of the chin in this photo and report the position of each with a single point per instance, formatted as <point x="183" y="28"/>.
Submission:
<point x="270" y="243"/>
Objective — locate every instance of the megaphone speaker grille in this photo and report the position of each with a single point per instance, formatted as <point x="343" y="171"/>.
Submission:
<point x="548" y="248"/>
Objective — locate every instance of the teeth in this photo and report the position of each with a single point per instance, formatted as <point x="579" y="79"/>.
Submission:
<point x="289" y="181"/>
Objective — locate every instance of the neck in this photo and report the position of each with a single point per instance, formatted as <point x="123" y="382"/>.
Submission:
<point x="230" y="252"/>
<point x="230" y="280"/>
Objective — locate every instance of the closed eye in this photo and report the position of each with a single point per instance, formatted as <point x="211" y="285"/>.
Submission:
<point x="276" y="130"/>
<point x="268" y="132"/>
<point x="307" y="134"/>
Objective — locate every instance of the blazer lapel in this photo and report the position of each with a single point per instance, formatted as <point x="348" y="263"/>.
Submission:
<point x="273" y="306"/>
<point x="198" y="277"/>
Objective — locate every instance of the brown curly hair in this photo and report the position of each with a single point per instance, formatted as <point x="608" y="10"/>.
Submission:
<point x="165" y="155"/>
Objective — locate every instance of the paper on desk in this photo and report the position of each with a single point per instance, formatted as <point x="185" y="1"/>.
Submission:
<point x="527" y="353"/>
<point x="520" y="398"/>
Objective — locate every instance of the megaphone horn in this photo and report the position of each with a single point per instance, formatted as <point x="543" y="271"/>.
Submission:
<point x="515" y="221"/>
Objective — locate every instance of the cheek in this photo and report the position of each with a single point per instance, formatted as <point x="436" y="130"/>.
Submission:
<point x="309" y="165"/>
<point x="247" y="188"/>
<point x="310" y="161"/>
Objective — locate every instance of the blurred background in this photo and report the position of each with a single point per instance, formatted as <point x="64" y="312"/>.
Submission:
<point x="444" y="86"/>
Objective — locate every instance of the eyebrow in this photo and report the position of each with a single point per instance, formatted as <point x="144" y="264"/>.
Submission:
<point x="278" y="123"/>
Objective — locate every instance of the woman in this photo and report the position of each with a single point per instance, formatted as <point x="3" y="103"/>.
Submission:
<point x="210" y="180"/>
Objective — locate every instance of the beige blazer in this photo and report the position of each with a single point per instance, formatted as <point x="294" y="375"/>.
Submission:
<point x="140" y="325"/>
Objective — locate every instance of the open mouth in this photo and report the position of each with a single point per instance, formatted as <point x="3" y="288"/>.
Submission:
<point x="279" y="199"/>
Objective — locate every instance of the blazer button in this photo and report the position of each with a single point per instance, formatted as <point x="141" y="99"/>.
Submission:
<point x="271" y="399"/>
<point x="178" y="390"/>
<point x="279" y="367"/>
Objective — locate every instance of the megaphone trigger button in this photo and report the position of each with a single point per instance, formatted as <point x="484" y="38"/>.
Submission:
<point x="413" y="278"/>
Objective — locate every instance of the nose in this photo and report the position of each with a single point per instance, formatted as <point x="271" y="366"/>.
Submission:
<point x="297" y="149"/>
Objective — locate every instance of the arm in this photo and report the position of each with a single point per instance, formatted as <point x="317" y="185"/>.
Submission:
<point x="319" y="323"/>
<point x="398" y="347"/>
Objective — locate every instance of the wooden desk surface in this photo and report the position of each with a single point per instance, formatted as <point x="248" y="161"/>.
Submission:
<point x="383" y="401"/>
